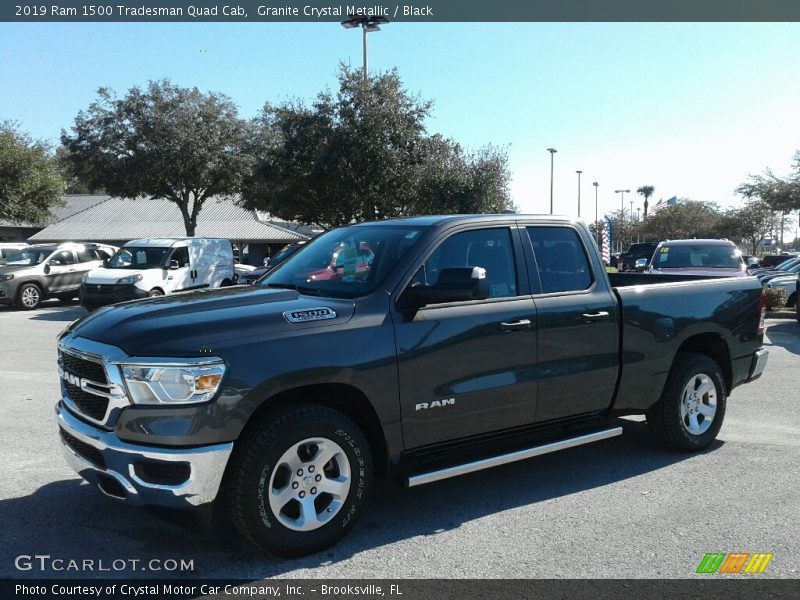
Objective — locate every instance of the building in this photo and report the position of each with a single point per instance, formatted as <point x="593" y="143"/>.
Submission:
<point x="15" y="231"/>
<point x="117" y="220"/>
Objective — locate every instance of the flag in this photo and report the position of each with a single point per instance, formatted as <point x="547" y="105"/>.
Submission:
<point x="661" y="204"/>
<point x="605" y="248"/>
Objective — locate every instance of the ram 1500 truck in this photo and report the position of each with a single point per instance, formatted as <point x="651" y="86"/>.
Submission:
<point x="466" y="342"/>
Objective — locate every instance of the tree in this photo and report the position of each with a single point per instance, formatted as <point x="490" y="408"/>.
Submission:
<point x="364" y="154"/>
<point x="684" y="220"/>
<point x="780" y="194"/>
<point x="29" y="182"/>
<point x="751" y="223"/>
<point x="646" y="191"/>
<point x="65" y="168"/>
<point x="165" y="141"/>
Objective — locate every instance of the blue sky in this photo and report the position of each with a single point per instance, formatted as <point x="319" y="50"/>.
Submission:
<point x="689" y="108"/>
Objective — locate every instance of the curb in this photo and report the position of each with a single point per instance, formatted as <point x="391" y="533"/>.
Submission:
<point x="780" y="315"/>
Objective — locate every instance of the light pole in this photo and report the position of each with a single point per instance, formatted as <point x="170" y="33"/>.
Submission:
<point x="579" y="193"/>
<point x="631" y="210"/>
<point x="368" y="25"/>
<point x="552" y="151"/>
<point x="622" y="201"/>
<point x="638" y="214"/>
<point x="596" y="214"/>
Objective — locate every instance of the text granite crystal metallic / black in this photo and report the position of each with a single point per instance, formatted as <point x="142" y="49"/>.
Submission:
<point x="416" y="349"/>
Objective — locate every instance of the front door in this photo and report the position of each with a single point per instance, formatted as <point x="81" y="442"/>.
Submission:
<point x="61" y="273"/>
<point x="467" y="368"/>
<point x="577" y="322"/>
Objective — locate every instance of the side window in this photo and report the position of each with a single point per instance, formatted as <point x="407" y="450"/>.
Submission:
<point x="65" y="257"/>
<point x="487" y="248"/>
<point x="181" y="255"/>
<point x="86" y="255"/>
<point x="563" y="265"/>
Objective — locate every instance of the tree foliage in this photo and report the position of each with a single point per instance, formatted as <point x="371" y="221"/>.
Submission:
<point x="646" y="191"/>
<point x="751" y="224"/>
<point x="164" y="141"/>
<point x="363" y="154"/>
<point x="686" y="219"/>
<point x="29" y="182"/>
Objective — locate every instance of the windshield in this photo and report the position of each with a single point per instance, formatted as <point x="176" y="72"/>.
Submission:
<point x="284" y="254"/>
<point x="344" y="263"/>
<point x="641" y="248"/>
<point x="699" y="256"/>
<point x="138" y="258"/>
<point x="28" y="257"/>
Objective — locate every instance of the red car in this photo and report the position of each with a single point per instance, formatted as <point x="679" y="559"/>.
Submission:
<point x="345" y="260"/>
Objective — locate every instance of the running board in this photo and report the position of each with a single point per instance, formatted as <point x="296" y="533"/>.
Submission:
<point x="504" y="459"/>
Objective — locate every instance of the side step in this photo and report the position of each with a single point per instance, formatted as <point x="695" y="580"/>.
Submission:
<point x="504" y="459"/>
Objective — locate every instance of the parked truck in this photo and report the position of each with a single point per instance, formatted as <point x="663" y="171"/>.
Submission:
<point x="467" y="342"/>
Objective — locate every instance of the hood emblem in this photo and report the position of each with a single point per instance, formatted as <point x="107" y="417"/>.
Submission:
<point x="310" y="314"/>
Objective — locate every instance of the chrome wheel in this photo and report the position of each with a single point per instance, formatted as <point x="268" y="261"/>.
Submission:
<point x="30" y="297"/>
<point x="698" y="404"/>
<point x="309" y="484"/>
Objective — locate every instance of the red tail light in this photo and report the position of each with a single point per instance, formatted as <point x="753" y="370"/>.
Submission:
<point x="620" y="262"/>
<point x="762" y="313"/>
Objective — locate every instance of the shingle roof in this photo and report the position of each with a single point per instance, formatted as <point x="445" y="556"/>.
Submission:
<point x="117" y="219"/>
<point x="73" y="203"/>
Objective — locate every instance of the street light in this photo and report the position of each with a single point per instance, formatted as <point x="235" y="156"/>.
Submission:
<point x="552" y="151"/>
<point x="368" y="25"/>
<point x="596" y="214"/>
<point x="622" y="200"/>
<point x="579" y="193"/>
<point x="631" y="210"/>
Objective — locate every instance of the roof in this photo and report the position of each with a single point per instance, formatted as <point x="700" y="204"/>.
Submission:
<point x="436" y="220"/>
<point x="705" y="242"/>
<point x="118" y="219"/>
<point x="73" y="203"/>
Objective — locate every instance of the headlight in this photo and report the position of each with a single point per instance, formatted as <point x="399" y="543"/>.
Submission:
<point x="129" y="280"/>
<point x="161" y="384"/>
<point x="6" y="277"/>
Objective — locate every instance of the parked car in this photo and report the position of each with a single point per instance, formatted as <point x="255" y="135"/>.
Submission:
<point x="7" y="248"/>
<point x="773" y="260"/>
<point x="469" y="342"/>
<point x="778" y="269"/>
<point x="280" y="256"/>
<point x="751" y="261"/>
<point x="637" y="257"/>
<point x="792" y="267"/>
<point x="717" y="258"/>
<point x="155" y="267"/>
<point x="788" y="283"/>
<point x="35" y="273"/>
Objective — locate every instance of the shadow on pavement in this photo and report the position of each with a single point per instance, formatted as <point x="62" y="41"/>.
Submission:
<point x="71" y="520"/>
<point x="785" y="334"/>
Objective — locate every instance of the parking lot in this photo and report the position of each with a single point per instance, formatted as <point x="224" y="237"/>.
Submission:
<point x="620" y="508"/>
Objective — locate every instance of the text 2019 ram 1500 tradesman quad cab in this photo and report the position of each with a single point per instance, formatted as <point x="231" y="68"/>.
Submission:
<point x="467" y="342"/>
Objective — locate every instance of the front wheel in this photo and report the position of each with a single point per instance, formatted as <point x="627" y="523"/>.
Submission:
<point x="689" y="414"/>
<point x="154" y="293"/>
<point x="299" y="480"/>
<point x="29" y="296"/>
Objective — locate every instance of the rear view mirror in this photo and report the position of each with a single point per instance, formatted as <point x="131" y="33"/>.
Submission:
<point x="454" y="285"/>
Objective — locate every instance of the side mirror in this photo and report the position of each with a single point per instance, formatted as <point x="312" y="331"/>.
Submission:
<point x="174" y="265"/>
<point x="47" y="268"/>
<point x="454" y="285"/>
<point x="106" y="262"/>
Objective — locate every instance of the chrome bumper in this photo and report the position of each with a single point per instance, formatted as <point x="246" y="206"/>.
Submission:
<point x="117" y="477"/>
<point x="759" y="362"/>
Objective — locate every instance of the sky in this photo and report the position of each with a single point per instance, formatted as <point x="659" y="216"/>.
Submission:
<point x="691" y="109"/>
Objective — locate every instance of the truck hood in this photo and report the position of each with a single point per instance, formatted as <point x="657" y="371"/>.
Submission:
<point x="104" y="275"/>
<point x="197" y="323"/>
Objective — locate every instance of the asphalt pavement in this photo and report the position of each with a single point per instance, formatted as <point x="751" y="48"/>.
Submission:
<point x="621" y="508"/>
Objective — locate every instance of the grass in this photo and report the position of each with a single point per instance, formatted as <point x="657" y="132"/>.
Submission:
<point x="611" y="270"/>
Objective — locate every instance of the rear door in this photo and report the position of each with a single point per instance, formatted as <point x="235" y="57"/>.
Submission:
<point x="578" y="337"/>
<point x="468" y="368"/>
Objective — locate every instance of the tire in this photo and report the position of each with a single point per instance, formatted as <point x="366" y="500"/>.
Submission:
<point x="154" y="293"/>
<point x="66" y="299"/>
<point x="278" y="453"/>
<point x="679" y="421"/>
<point x="225" y="283"/>
<point x="29" y="296"/>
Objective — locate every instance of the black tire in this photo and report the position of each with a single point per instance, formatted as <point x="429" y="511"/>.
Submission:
<point x="66" y="299"/>
<point x="255" y="467"/>
<point x="226" y="283"/>
<point x="665" y="418"/>
<point x="155" y="293"/>
<point x="29" y="296"/>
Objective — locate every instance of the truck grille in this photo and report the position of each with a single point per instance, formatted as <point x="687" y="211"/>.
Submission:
<point x="88" y="404"/>
<point x="99" y="288"/>
<point x="84" y="450"/>
<point x="92" y="405"/>
<point x="85" y="369"/>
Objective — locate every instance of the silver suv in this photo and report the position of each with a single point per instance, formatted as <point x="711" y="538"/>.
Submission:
<point x="34" y="273"/>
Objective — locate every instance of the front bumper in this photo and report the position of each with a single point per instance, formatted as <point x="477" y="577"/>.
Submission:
<point x="8" y="291"/>
<point x="94" y="295"/>
<point x="142" y="475"/>
<point x="759" y="363"/>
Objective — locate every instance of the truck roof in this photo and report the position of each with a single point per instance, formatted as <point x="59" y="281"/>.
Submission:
<point x="163" y="242"/>
<point x="436" y="220"/>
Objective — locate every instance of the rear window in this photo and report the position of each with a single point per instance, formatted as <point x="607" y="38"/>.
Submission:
<point x="703" y="256"/>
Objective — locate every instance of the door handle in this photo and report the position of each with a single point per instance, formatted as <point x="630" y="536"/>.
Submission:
<point x="520" y="325"/>
<point x="595" y="316"/>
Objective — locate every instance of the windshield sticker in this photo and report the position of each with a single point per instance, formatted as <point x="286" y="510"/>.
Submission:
<point x="310" y="314"/>
<point x="350" y="261"/>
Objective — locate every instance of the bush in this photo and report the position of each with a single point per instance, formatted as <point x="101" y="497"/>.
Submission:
<point x="775" y="298"/>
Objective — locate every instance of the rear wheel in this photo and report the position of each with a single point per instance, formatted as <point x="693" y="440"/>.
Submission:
<point x="154" y="293"/>
<point x="29" y="296"/>
<point x="689" y="414"/>
<point x="299" y="480"/>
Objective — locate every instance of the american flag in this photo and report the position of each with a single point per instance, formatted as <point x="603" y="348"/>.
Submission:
<point x="605" y="249"/>
<point x="661" y="204"/>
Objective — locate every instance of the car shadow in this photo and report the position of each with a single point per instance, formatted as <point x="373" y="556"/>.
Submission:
<point x="60" y="313"/>
<point x="69" y="519"/>
<point x="785" y="334"/>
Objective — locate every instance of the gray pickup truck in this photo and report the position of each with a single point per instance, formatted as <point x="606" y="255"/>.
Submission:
<point x="431" y="347"/>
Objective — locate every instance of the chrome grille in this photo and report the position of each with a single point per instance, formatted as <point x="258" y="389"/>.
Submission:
<point x="85" y="369"/>
<point x="85" y="385"/>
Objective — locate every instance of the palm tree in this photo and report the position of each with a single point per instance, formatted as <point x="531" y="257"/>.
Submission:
<point x="646" y="191"/>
